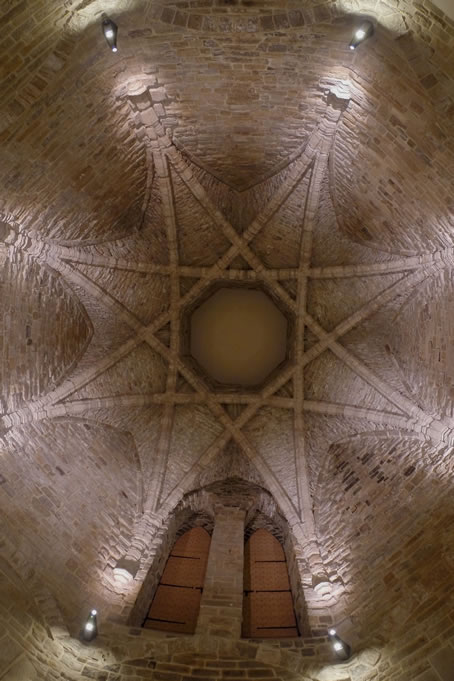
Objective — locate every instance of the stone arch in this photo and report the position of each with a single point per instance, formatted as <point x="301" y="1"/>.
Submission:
<point x="262" y="517"/>
<point x="176" y="602"/>
<point x="193" y="511"/>
<point x="268" y="606"/>
<point x="197" y="509"/>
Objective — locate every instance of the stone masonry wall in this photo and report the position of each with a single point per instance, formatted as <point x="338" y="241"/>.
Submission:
<point x="121" y="653"/>
<point x="104" y="223"/>
<point x="222" y="598"/>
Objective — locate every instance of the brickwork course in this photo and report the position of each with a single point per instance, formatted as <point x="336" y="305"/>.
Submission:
<point x="228" y="143"/>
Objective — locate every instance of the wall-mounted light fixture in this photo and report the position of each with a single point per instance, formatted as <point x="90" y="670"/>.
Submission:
<point x="110" y="30"/>
<point x="343" y="650"/>
<point x="364" y="31"/>
<point x="90" y="630"/>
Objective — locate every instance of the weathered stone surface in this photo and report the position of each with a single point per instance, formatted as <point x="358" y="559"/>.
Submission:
<point x="226" y="142"/>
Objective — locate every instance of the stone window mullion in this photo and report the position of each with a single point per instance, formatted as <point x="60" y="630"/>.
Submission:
<point x="221" y="604"/>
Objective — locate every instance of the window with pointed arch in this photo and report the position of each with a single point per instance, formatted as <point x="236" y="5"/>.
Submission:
<point x="268" y="610"/>
<point x="175" y="606"/>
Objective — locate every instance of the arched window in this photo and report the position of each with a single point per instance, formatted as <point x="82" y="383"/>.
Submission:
<point x="268" y="604"/>
<point x="176" y="603"/>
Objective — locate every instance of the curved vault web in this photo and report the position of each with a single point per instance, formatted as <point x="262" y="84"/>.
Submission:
<point x="137" y="258"/>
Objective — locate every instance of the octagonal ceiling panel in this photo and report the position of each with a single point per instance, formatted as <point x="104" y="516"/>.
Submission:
<point x="238" y="336"/>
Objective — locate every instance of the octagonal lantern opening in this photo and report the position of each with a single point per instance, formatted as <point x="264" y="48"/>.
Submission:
<point x="237" y="336"/>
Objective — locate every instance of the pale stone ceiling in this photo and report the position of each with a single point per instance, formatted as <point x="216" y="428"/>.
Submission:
<point x="223" y="143"/>
<point x="446" y="6"/>
<point x="238" y="336"/>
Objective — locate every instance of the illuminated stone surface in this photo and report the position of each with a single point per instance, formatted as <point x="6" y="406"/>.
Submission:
<point x="231" y="143"/>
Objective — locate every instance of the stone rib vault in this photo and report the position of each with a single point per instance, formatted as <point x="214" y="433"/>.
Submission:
<point x="228" y="144"/>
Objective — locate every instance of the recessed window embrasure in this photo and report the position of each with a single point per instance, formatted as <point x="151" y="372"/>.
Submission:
<point x="268" y="610"/>
<point x="231" y="534"/>
<point x="176" y="603"/>
<point x="237" y="336"/>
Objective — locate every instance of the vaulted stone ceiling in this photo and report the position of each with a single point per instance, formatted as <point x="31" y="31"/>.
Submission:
<point x="225" y="142"/>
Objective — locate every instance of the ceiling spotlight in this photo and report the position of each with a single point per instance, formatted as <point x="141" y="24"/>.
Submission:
<point x="90" y="628"/>
<point x="343" y="650"/>
<point x="361" y="34"/>
<point x="110" y="30"/>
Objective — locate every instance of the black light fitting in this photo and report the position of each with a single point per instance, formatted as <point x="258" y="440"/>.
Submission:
<point x="90" y="629"/>
<point x="110" y="30"/>
<point x="362" y="33"/>
<point x="342" y="650"/>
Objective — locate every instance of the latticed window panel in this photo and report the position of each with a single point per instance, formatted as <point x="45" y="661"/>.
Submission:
<point x="184" y="571"/>
<point x="192" y="543"/>
<point x="174" y="609"/>
<point x="267" y="576"/>
<point x="268" y="604"/>
<point x="176" y="604"/>
<point x="262" y="545"/>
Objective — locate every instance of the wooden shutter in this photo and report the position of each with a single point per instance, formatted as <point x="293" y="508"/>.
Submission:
<point x="176" y="603"/>
<point x="268" y="605"/>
